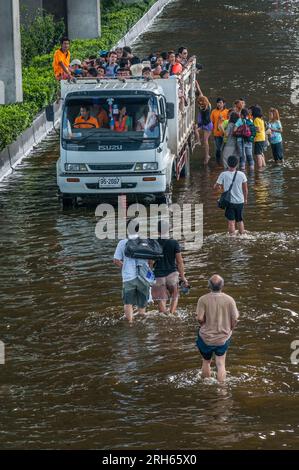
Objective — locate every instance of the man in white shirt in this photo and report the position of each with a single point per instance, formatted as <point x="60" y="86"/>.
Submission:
<point x="239" y="195"/>
<point x="134" y="291"/>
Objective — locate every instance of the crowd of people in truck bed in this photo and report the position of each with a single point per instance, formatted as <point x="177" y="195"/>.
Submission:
<point x="119" y="63"/>
<point x="237" y="130"/>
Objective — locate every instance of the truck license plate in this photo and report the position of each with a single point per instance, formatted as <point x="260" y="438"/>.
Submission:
<point x="110" y="182"/>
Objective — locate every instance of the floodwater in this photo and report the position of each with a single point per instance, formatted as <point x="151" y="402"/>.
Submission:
<point x="76" y="376"/>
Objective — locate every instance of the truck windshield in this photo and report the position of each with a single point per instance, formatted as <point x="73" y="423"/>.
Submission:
<point x="107" y="119"/>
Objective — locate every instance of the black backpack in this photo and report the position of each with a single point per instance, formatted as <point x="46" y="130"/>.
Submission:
<point x="144" y="249"/>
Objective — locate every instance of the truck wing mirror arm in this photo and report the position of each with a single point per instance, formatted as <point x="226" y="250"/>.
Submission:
<point x="170" y="110"/>
<point x="50" y="113"/>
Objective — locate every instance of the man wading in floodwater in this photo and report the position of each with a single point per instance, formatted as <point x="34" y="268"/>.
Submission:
<point x="237" y="181"/>
<point x="218" y="315"/>
<point x="135" y="293"/>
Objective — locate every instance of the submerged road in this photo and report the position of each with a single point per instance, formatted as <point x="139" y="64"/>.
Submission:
<point x="75" y="375"/>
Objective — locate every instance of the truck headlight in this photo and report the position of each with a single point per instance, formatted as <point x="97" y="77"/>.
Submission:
<point x="75" y="167"/>
<point x="146" y="166"/>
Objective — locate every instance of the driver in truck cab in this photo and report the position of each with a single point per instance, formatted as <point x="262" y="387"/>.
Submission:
<point x="85" y="120"/>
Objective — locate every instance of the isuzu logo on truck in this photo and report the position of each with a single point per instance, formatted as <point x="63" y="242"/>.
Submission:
<point x="111" y="148"/>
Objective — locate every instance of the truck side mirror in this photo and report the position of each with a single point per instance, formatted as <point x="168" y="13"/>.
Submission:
<point x="170" y="110"/>
<point x="50" y="113"/>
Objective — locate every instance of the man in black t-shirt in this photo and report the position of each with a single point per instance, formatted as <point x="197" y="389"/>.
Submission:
<point x="167" y="272"/>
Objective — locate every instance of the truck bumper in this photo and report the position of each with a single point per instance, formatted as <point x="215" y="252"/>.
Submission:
<point x="89" y="185"/>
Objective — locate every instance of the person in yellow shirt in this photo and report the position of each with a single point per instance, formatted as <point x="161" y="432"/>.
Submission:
<point x="260" y="138"/>
<point x="61" y="60"/>
<point x="218" y="116"/>
<point x="85" y="120"/>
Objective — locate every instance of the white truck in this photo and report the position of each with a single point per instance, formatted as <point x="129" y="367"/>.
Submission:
<point x="138" y="161"/>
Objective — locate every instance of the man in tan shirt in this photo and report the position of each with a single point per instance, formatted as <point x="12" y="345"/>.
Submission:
<point x="218" y="315"/>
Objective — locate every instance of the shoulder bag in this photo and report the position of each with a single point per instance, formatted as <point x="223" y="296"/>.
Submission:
<point x="225" y="197"/>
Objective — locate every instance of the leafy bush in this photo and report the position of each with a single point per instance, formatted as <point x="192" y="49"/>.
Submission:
<point x="39" y="36"/>
<point x="39" y="84"/>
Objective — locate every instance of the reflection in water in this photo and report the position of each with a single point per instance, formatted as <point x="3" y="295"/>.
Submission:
<point x="76" y="375"/>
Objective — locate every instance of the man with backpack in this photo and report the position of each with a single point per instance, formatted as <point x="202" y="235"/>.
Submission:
<point x="234" y="183"/>
<point x="167" y="271"/>
<point x="245" y="132"/>
<point x="135" y="292"/>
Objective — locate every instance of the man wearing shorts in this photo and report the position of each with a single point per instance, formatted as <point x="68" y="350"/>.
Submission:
<point x="135" y="293"/>
<point x="218" y="315"/>
<point x="239" y="195"/>
<point x="167" y="271"/>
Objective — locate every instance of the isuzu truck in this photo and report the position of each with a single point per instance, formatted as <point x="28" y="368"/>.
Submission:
<point x="125" y="136"/>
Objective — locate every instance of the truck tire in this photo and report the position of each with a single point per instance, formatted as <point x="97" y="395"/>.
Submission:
<point x="67" y="201"/>
<point x="165" y="198"/>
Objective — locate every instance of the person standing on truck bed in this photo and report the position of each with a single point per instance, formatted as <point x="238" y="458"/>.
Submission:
<point x="175" y="67"/>
<point x="61" y="60"/>
<point x="112" y="65"/>
<point x="183" y="53"/>
<point x="85" y="120"/>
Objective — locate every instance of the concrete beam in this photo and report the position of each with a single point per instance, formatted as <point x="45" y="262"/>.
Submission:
<point x="2" y="93"/>
<point x="84" y="20"/>
<point x="10" y="40"/>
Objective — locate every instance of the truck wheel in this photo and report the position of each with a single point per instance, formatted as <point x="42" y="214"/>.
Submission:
<point x="67" y="201"/>
<point x="164" y="198"/>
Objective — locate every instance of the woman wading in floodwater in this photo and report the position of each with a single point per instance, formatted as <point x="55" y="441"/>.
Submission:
<point x="205" y="124"/>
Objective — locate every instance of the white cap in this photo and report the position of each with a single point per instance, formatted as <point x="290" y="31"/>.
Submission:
<point x="76" y="62"/>
<point x="136" y="70"/>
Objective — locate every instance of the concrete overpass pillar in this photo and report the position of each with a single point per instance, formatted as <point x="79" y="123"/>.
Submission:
<point x="10" y="40"/>
<point x="84" y="20"/>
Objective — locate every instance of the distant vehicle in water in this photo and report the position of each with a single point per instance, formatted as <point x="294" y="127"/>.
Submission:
<point x="125" y="136"/>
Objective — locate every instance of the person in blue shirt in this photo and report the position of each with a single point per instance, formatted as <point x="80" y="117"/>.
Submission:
<point x="274" y="132"/>
<point x="135" y="293"/>
<point x="245" y="144"/>
<point x="111" y="68"/>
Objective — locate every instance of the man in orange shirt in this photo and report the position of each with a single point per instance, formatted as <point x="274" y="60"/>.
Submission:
<point x="218" y="115"/>
<point x="85" y="120"/>
<point x="102" y="117"/>
<point x="61" y="61"/>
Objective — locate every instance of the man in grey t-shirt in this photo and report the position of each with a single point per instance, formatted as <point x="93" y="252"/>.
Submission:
<point x="239" y="195"/>
<point x="218" y="315"/>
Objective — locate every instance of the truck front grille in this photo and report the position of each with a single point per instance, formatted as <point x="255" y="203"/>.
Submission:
<point x="111" y="167"/>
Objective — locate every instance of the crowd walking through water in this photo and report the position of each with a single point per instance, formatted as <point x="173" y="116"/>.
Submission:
<point x="241" y="137"/>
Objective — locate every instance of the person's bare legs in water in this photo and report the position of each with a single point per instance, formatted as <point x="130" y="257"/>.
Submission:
<point x="206" y="146"/>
